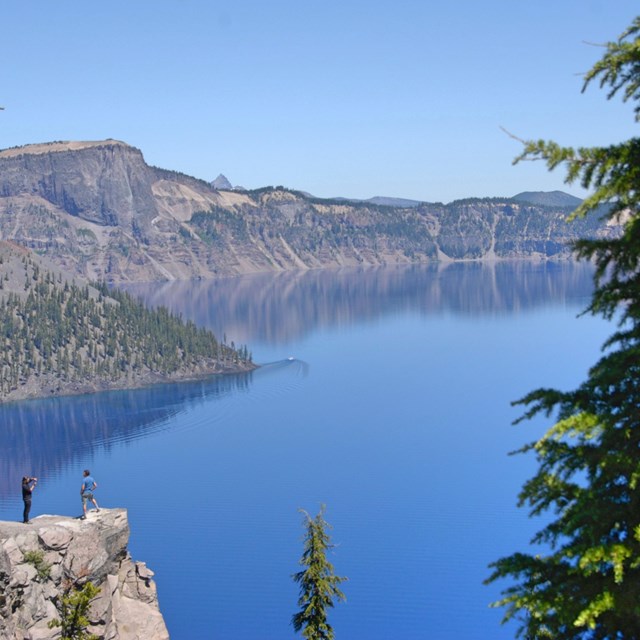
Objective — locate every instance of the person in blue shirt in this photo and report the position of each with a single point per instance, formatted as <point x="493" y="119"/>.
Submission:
<point x="89" y="485"/>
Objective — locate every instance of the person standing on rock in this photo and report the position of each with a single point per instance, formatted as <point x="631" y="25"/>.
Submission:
<point x="89" y="485"/>
<point x="28" y="485"/>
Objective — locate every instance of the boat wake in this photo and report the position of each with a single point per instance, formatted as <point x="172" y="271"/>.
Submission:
<point x="290" y="365"/>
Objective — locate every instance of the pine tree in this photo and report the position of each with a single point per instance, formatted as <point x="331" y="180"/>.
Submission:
<point x="585" y="581"/>
<point x="74" y="606"/>
<point x="318" y="583"/>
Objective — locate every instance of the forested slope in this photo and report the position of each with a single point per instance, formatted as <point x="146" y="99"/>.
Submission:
<point x="61" y="336"/>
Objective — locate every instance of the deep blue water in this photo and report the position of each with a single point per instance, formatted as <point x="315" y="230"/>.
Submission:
<point x="395" y="413"/>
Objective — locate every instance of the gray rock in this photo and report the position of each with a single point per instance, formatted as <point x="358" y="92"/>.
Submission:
<point x="22" y="576"/>
<point x="12" y="550"/>
<point x="76" y="552"/>
<point x="56" y="538"/>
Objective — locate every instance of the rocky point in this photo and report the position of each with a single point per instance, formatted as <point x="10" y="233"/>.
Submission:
<point x="42" y="560"/>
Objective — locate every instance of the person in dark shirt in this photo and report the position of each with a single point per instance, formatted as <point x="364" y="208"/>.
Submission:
<point x="28" y="485"/>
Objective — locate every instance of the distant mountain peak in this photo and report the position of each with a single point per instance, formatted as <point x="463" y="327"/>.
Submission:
<point x="548" y="198"/>
<point x="394" y="202"/>
<point x="221" y="183"/>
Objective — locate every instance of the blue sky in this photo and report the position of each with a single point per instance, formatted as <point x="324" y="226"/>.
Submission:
<point x="338" y="98"/>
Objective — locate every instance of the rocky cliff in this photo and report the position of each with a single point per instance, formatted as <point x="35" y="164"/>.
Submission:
<point x="41" y="561"/>
<point x="98" y="210"/>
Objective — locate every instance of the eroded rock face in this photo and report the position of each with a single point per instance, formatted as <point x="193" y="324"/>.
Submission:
<point x="41" y="560"/>
<point x="96" y="209"/>
<point x="110" y="185"/>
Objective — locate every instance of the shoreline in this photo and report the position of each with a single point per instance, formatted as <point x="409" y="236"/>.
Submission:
<point x="45" y="387"/>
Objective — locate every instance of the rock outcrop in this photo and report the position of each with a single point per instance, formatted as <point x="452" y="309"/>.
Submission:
<point x="98" y="210"/>
<point x="42" y="560"/>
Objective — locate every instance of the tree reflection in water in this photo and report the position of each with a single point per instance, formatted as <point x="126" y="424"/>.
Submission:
<point x="43" y="436"/>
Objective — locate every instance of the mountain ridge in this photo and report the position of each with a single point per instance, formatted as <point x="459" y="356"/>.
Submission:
<point x="97" y="209"/>
<point x="60" y="145"/>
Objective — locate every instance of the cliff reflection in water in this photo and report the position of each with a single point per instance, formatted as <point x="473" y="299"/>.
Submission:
<point x="277" y="308"/>
<point x="43" y="436"/>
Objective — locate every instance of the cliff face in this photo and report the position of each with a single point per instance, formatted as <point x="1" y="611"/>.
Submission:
<point x="75" y="551"/>
<point x="108" y="184"/>
<point x="98" y="210"/>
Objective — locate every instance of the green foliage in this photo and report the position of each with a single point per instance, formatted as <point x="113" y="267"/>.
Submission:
<point x="79" y="334"/>
<point x="87" y="234"/>
<point x="215" y="224"/>
<point x="36" y="558"/>
<point x="318" y="583"/>
<point x="73" y="608"/>
<point x="585" y="582"/>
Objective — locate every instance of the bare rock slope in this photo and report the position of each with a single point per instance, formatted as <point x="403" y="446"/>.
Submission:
<point x="72" y="552"/>
<point x="98" y="210"/>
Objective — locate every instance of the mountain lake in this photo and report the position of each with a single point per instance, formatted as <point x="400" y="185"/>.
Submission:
<point x="383" y="393"/>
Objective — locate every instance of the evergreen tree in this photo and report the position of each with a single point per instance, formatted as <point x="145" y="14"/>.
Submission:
<point x="585" y="581"/>
<point x="318" y="583"/>
<point x="74" y="607"/>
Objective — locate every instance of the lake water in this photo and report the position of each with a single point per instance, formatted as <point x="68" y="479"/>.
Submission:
<point x="394" y="412"/>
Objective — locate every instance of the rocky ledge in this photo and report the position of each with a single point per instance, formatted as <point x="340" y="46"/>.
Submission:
<point x="41" y="561"/>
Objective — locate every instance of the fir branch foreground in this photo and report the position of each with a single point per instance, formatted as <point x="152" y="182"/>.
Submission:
<point x="584" y="583"/>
